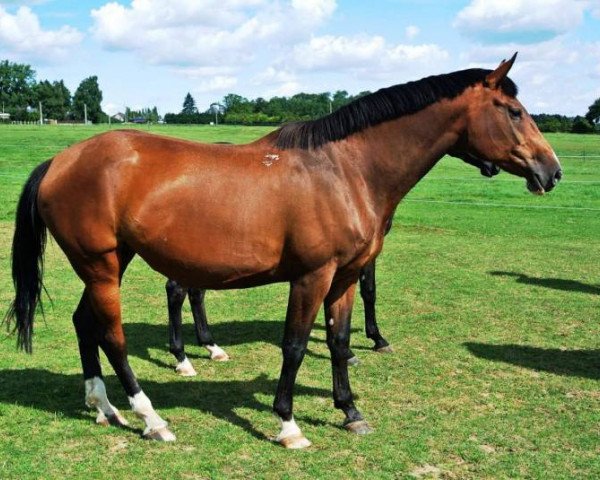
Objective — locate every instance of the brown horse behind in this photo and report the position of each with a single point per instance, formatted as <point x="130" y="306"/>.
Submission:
<point x="307" y="204"/>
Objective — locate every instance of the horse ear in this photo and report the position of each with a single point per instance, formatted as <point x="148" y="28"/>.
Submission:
<point x="494" y="79"/>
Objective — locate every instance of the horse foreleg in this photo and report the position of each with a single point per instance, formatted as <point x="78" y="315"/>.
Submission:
<point x="203" y="335"/>
<point x="368" y="294"/>
<point x="175" y="298"/>
<point x="306" y="296"/>
<point x="338" y="311"/>
<point x="95" y="390"/>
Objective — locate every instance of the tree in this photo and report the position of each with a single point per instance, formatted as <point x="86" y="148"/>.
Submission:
<point x="16" y="88"/>
<point x="88" y="93"/>
<point x="55" y="98"/>
<point x="189" y="105"/>
<point x="581" y="125"/>
<point x="593" y="114"/>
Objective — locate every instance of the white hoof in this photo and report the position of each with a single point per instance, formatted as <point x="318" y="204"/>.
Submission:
<point x="185" y="368"/>
<point x="160" y="434"/>
<point x="217" y="353"/>
<point x="291" y="435"/>
<point x="296" y="442"/>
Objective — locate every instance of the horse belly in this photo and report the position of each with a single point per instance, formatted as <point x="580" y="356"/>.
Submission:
<point x="210" y="251"/>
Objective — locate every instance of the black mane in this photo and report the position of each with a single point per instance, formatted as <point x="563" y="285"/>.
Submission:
<point x="384" y="105"/>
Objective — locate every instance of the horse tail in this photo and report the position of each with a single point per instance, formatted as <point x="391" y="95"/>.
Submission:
<point x="29" y="242"/>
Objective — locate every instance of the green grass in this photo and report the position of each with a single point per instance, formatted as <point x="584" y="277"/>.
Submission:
<point x="490" y="299"/>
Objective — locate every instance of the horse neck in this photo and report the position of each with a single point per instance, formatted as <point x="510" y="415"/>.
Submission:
<point x="395" y="155"/>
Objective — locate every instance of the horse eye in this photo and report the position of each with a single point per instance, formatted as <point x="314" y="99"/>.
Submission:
<point x="515" y="112"/>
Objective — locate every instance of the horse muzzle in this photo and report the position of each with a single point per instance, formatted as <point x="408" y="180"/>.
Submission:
<point x="540" y="183"/>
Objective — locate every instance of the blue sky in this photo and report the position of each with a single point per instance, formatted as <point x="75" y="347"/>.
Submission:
<point x="152" y="52"/>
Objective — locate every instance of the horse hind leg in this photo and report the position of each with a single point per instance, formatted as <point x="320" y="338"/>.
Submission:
<point x="175" y="297"/>
<point x="203" y="335"/>
<point x="102" y="278"/>
<point x="95" y="390"/>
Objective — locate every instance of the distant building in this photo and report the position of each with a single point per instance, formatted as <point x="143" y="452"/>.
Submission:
<point x="119" y="117"/>
<point x="4" y="116"/>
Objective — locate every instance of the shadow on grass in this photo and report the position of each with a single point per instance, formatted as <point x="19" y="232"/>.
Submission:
<point x="141" y="337"/>
<point x="554" y="283"/>
<point x="63" y="394"/>
<point x="575" y="363"/>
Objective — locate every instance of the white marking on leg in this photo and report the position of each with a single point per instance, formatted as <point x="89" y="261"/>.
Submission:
<point x="95" y="397"/>
<point x="291" y="436"/>
<point x="142" y="407"/>
<point x="185" y="368"/>
<point x="217" y="353"/>
<point x="331" y="322"/>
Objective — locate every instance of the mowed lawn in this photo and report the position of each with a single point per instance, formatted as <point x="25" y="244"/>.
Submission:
<point x="489" y="295"/>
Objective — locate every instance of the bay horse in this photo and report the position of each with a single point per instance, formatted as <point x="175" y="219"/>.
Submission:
<point x="306" y="204"/>
<point x="176" y="295"/>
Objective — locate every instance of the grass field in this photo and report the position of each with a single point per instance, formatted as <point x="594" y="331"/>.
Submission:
<point x="490" y="296"/>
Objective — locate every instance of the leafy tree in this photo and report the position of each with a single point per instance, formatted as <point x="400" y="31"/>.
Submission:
<point x="593" y="114"/>
<point x="236" y="104"/>
<point x="16" y="88"/>
<point x="189" y="105"/>
<point x="55" y="98"/>
<point x="339" y="99"/>
<point x="581" y="125"/>
<point x="88" y="93"/>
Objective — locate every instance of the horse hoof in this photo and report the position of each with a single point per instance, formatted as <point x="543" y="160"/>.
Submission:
<point x="222" y="357"/>
<point x="295" y="442"/>
<point x="360" y="427"/>
<point x="115" y="420"/>
<point x="353" y="361"/>
<point x="386" y="349"/>
<point x="185" y="369"/>
<point x="160" y="434"/>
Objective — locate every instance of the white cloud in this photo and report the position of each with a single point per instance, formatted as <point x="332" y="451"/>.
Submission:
<point x="547" y="73"/>
<point x="412" y="31"/>
<point x="366" y="55"/>
<point x="206" y="33"/>
<point x="532" y="20"/>
<point x="220" y="83"/>
<point x="22" y="37"/>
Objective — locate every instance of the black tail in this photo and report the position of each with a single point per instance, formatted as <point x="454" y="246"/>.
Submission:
<point x="28" y="247"/>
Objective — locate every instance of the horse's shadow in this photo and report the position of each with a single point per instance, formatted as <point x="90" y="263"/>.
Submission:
<point x="554" y="283"/>
<point x="143" y="337"/>
<point x="574" y="363"/>
<point x="63" y="394"/>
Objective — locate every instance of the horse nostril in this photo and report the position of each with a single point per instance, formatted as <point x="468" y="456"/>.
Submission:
<point x="558" y="175"/>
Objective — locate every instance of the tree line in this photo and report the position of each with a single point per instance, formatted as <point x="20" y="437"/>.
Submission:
<point x="21" y="94"/>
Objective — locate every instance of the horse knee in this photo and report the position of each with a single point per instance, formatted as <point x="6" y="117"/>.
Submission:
<point x="293" y="351"/>
<point x="339" y="347"/>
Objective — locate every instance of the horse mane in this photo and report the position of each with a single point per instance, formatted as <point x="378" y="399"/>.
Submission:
<point x="384" y="105"/>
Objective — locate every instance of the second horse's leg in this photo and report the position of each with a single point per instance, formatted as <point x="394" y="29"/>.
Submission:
<point x="175" y="298"/>
<point x="368" y="294"/>
<point x="203" y="335"/>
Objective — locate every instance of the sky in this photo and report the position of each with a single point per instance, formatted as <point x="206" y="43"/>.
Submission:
<point x="152" y="52"/>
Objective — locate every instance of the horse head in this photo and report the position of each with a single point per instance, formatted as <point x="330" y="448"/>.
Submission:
<point x="499" y="133"/>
